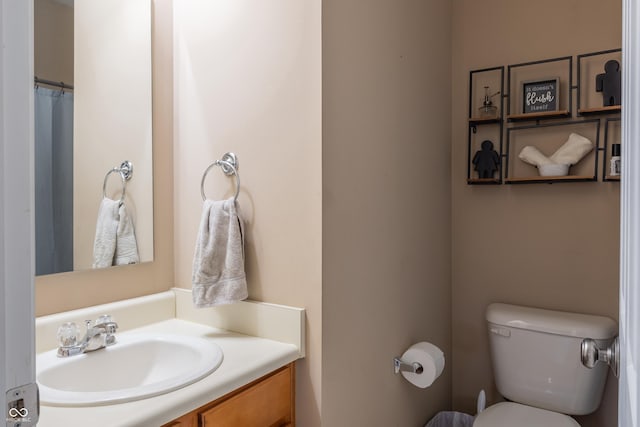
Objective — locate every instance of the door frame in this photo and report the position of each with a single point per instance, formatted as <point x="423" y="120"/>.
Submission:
<point x="17" y="342"/>
<point x="629" y="383"/>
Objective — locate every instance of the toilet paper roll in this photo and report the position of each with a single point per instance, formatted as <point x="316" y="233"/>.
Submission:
<point x="432" y="360"/>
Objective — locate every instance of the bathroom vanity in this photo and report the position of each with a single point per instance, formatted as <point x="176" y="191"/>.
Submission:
<point x="254" y="384"/>
<point x="268" y="401"/>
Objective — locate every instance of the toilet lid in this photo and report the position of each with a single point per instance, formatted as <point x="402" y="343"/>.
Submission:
<point x="509" y="414"/>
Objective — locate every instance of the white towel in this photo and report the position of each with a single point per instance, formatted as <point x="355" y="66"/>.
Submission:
<point x="115" y="240"/>
<point x="104" y="244"/>
<point x="126" y="245"/>
<point x="533" y="156"/>
<point x="218" y="264"/>
<point x="572" y="151"/>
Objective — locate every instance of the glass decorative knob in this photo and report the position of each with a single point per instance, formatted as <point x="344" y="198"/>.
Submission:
<point x="68" y="334"/>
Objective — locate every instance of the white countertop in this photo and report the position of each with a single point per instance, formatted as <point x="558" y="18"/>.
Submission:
<point x="266" y="337"/>
<point x="246" y="358"/>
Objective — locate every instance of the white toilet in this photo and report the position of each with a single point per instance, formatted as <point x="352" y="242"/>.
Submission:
<point x="537" y="366"/>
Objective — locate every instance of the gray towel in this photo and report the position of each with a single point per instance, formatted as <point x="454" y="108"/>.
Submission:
<point x="115" y="240"/>
<point x="218" y="264"/>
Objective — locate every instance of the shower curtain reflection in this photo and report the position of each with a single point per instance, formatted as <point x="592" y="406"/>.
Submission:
<point x="53" y="180"/>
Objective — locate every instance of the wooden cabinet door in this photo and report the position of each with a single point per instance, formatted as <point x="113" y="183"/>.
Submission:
<point x="189" y="420"/>
<point x="267" y="403"/>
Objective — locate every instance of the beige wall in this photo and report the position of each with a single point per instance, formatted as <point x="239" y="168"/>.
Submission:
<point x="247" y="80"/>
<point x="53" y="41"/>
<point x="386" y="207"/>
<point x="395" y="258"/>
<point x="552" y="246"/>
<point x="60" y="292"/>
<point x="112" y="118"/>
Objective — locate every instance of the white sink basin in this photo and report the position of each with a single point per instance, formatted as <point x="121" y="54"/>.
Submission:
<point x="136" y="367"/>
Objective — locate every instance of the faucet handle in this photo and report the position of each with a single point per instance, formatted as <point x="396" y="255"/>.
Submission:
<point x="106" y="321"/>
<point x="67" y="334"/>
<point x="105" y="318"/>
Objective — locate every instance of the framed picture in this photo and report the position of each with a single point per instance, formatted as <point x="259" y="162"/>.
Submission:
<point x="540" y="96"/>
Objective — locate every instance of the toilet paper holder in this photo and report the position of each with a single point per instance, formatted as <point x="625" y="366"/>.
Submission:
<point x="400" y="366"/>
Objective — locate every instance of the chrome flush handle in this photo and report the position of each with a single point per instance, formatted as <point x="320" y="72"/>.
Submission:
<point x="591" y="354"/>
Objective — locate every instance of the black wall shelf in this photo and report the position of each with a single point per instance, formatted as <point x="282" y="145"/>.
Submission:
<point x="511" y="117"/>
<point x="518" y="74"/>
<point x="586" y="81"/>
<point x="584" y="174"/>
<point x="612" y="135"/>
<point x="492" y="125"/>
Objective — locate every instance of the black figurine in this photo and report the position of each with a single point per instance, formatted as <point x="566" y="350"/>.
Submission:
<point x="486" y="160"/>
<point x="609" y="83"/>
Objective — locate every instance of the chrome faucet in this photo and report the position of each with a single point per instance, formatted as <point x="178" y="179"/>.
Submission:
<point x="98" y="336"/>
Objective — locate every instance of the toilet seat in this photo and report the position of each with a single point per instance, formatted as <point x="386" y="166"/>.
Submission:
<point x="509" y="414"/>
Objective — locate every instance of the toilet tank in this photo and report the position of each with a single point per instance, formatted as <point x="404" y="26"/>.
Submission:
<point x="536" y="357"/>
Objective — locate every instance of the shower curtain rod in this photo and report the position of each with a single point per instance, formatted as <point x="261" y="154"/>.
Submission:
<point x="61" y="85"/>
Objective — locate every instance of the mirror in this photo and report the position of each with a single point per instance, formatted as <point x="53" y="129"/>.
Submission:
<point x="92" y="62"/>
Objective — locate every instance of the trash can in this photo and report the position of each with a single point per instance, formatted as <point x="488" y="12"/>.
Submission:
<point x="451" y="419"/>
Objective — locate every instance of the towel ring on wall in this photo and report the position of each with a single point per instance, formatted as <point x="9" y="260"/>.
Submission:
<point x="125" y="170"/>
<point x="229" y="165"/>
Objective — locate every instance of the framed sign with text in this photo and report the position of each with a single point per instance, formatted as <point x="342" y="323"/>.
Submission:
<point x="540" y="96"/>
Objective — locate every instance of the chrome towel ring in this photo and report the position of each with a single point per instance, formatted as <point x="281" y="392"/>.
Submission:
<point x="229" y="165"/>
<point x="126" y="171"/>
